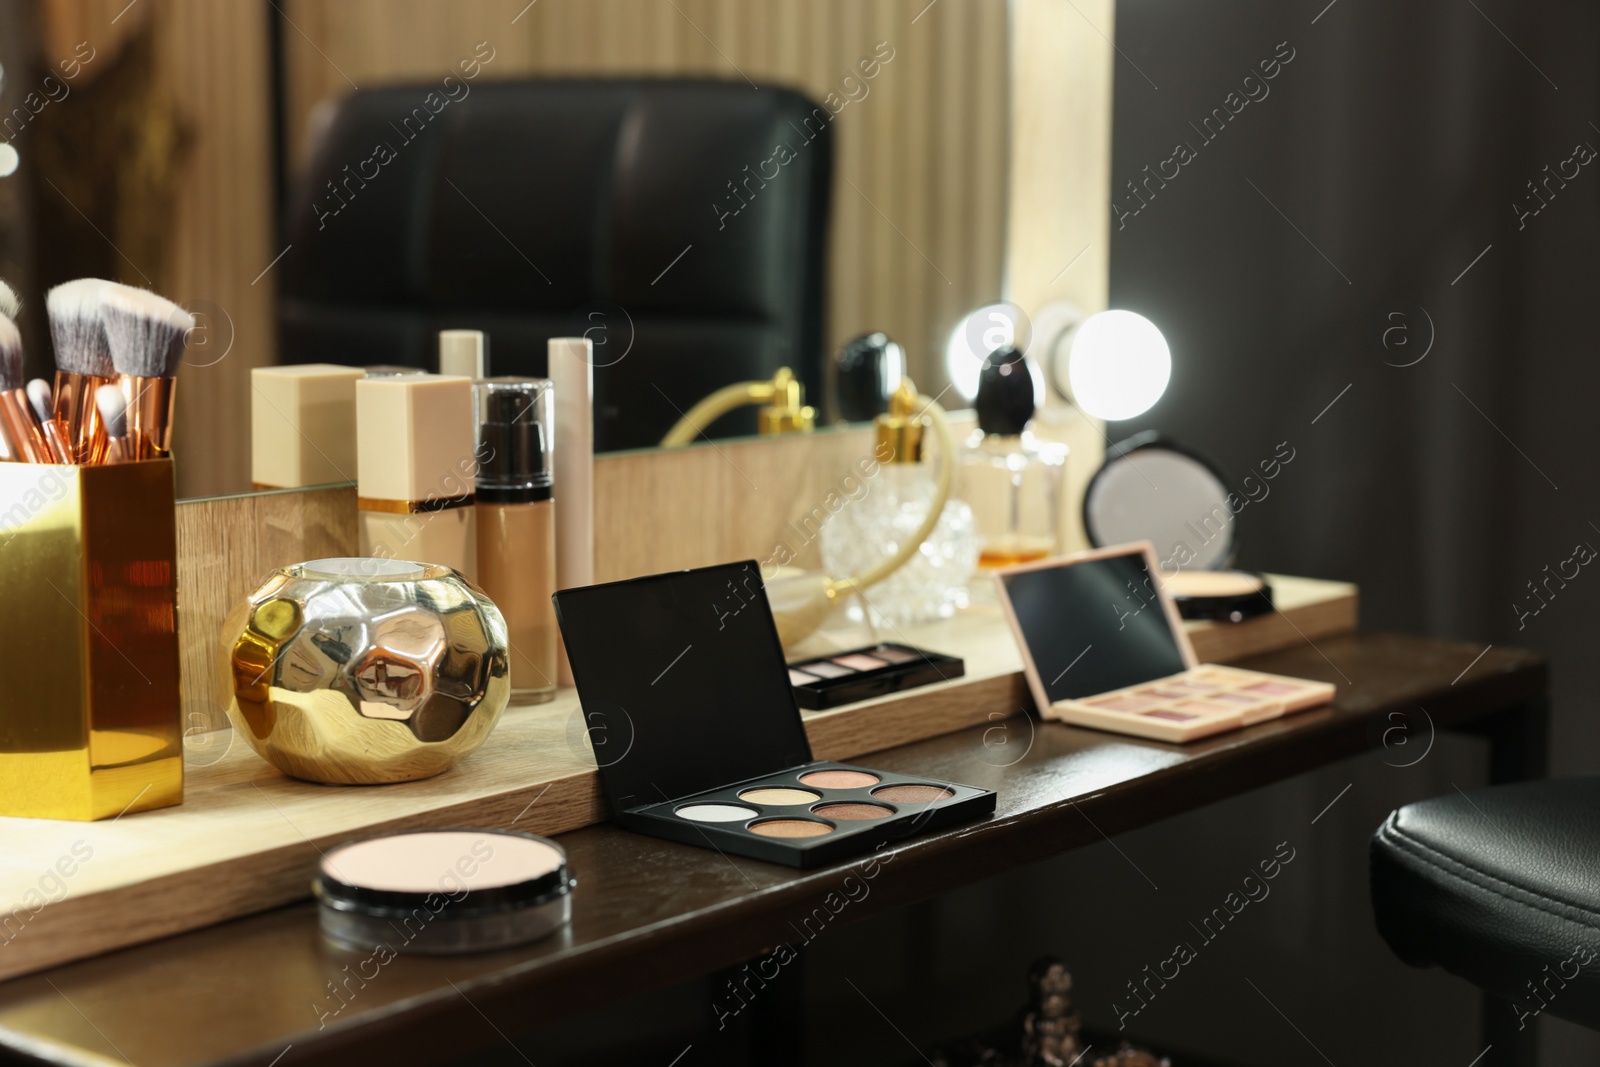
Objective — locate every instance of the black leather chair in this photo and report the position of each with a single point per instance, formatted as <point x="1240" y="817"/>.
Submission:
<point x="1500" y="886"/>
<point x="658" y="217"/>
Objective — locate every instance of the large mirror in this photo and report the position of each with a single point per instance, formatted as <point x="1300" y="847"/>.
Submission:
<point x="708" y="189"/>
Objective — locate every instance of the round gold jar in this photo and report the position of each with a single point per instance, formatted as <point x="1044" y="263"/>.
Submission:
<point x="365" y="671"/>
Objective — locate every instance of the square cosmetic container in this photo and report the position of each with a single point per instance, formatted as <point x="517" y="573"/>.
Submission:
<point x="698" y="737"/>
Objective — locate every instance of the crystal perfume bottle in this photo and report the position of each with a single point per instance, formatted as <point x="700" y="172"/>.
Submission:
<point x="895" y="500"/>
<point x="1012" y="480"/>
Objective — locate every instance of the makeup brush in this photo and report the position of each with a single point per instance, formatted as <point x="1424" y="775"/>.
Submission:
<point x="41" y="401"/>
<point x="147" y="334"/>
<point x="83" y="363"/>
<point x="21" y="437"/>
<point x="10" y="302"/>
<point x="114" y="417"/>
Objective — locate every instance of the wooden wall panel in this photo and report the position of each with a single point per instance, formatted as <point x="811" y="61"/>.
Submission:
<point x="213" y="62"/>
<point x="919" y="199"/>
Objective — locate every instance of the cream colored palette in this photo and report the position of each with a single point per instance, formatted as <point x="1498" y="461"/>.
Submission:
<point x="1103" y="646"/>
<point x="1204" y="700"/>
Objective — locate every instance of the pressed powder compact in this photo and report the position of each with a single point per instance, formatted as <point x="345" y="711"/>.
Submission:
<point x="863" y="673"/>
<point x="440" y="892"/>
<point x="1103" y="646"/>
<point x="1151" y="488"/>
<point x="683" y="676"/>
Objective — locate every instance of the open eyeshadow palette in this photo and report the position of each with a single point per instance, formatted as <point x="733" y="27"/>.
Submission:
<point x="698" y="737"/>
<point x="1103" y="646"/>
<point x="863" y="673"/>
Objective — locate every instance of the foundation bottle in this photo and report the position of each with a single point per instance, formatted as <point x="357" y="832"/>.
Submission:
<point x="516" y="525"/>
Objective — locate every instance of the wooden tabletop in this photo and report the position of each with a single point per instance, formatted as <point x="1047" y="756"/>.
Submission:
<point x="648" y="913"/>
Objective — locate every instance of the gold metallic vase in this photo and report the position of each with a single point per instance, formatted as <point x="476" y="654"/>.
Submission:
<point x="90" y="721"/>
<point x="364" y="671"/>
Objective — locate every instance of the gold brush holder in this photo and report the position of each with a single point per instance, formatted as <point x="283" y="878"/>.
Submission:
<point x="90" y="722"/>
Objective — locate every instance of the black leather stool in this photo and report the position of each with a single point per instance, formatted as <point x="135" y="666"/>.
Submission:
<point x="1500" y="886"/>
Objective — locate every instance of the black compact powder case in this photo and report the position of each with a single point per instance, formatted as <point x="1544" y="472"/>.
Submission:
<point x="824" y="682"/>
<point x="1122" y="505"/>
<point x="698" y="736"/>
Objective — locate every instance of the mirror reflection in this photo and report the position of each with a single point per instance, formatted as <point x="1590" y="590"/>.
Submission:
<point x="711" y="192"/>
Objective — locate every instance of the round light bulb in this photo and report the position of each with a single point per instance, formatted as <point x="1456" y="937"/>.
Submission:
<point x="979" y="333"/>
<point x="1119" y="365"/>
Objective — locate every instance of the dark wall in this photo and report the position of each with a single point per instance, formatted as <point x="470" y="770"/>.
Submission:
<point x="1374" y="197"/>
<point x="1305" y="249"/>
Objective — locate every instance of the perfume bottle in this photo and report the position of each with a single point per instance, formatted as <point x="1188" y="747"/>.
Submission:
<point x="1012" y="480"/>
<point x="516" y="525"/>
<point x="888" y="508"/>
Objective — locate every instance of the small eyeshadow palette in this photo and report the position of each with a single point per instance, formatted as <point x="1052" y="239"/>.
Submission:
<point x="1103" y="646"/>
<point x="692" y="712"/>
<point x="863" y="673"/>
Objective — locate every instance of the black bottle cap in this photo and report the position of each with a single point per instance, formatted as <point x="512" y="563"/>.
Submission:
<point x="866" y="372"/>
<point x="513" y="440"/>
<point x="1005" y="400"/>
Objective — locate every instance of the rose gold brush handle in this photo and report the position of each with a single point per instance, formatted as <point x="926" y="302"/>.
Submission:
<point x="24" y="439"/>
<point x="78" y="416"/>
<point x="149" y="417"/>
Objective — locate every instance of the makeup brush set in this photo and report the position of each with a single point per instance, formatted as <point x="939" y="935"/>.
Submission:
<point x="117" y="352"/>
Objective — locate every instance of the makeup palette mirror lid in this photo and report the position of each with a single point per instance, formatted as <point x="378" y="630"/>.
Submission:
<point x="682" y="682"/>
<point x="1154" y="489"/>
<point x="1093" y="621"/>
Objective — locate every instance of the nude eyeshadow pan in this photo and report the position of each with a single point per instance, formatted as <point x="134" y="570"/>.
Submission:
<point x="840" y="779"/>
<point x="790" y="828"/>
<point x="913" y="794"/>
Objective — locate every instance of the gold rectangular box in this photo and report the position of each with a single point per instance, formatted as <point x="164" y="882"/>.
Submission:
<point x="90" y="717"/>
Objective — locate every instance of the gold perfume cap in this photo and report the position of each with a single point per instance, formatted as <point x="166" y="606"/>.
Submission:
<point x="900" y="430"/>
<point x="787" y="412"/>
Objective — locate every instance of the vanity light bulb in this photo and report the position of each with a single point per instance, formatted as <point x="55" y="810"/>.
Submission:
<point x="1119" y="365"/>
<point x="991" y="327"/>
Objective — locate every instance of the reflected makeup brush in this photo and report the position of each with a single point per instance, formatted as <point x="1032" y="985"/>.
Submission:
<point x="83" y="363"/>
<point x="18" y="432"/>
<point x="42" y="402"/>
<point x="10" y="302"/>
<point x="21" y="437"/>
<point x="114" y="417"/>
<point x="146" y="333"/>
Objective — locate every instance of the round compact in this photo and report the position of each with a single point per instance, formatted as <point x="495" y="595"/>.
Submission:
<point x="1222" y="596"/>
<point x="441" y="892"/>
<point x="1151" y="488"/>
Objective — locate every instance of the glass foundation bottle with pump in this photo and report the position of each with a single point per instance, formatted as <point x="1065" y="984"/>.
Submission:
<point x="1013" y="481"/>
<point x="516" y="525"/>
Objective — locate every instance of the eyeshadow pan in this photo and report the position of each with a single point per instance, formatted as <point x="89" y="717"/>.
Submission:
<point x="1161" y="694"/>
<point x="857" y="661"/>
<point x="778" y="796"/>
<point x="800" y="677"/>
<point x="896" y="655"/>
<point x="1171" y="716"/>
<point x="823" y="669"/>
<point x="913" y="794"/>
<point x="1276" y="689"/>
<point x="1123" y="703"/>
<point x="1199" y="707"/>
<point x="790" y="828"/>
<point x="839" y="779"/>
<point x="852" y="812"/>
<point x="716" y="813"/>
<point x="1235" y="698"/>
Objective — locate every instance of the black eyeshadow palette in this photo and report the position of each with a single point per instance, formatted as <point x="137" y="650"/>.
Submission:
<point x="813" y="814"/>
<point x="698" y="737"/>
<point x="863" y="673"/>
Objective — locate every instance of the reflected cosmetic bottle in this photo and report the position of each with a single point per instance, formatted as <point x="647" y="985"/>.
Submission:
<point x="516" y="525"/>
